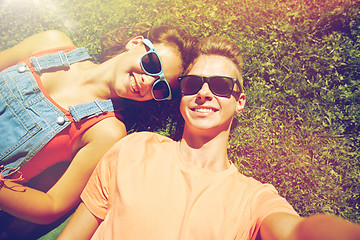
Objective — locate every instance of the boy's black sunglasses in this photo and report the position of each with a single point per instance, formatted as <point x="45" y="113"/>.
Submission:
<point x="221" y="86"/>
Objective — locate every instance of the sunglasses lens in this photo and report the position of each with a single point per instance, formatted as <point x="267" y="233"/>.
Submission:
<point x="191" y="84"/>
<point x="161" y="90"/>
<point x="221" y="86"/>
<point x="151" y="63"/>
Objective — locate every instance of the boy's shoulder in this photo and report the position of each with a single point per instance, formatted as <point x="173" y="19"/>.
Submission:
<point x="145" y="137"/>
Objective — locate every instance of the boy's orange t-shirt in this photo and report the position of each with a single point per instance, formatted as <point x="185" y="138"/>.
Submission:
<point x="143" y="189"/>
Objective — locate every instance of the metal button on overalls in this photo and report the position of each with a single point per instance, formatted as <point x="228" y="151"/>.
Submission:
<point x="60" y="120"/>
<point x="21" y="69"/>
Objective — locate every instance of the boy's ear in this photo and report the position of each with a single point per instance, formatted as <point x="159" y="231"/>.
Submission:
<point x="134" y="42"/>
<point x="240" y="103"/>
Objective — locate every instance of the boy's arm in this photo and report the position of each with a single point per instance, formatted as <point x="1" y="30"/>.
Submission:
<point x="82" y="225"/>
<point x="282" y="226"/>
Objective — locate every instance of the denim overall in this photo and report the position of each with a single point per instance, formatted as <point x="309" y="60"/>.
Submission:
<point x="28" y="120"/>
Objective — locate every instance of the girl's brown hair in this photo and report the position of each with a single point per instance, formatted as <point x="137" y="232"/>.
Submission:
<point x="113" y="43"/>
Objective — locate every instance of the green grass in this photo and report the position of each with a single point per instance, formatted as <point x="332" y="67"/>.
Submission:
<point x="300" y="129"/>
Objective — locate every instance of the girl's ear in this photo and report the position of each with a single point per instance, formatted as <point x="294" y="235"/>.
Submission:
<point x="240" y="103"/>
<point x="134" y="42"/>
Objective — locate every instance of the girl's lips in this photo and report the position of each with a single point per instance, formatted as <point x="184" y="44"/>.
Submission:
<point x="133" y="84"/>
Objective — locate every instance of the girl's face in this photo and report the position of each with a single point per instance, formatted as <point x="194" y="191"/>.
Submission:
<point x="134" y="83"/>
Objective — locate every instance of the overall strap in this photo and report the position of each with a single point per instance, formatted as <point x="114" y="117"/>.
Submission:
<point x="93" y="108"/>
<point x="60" y="59"/>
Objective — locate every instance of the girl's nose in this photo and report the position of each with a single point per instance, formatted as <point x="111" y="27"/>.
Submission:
<point x="148" y="80"/>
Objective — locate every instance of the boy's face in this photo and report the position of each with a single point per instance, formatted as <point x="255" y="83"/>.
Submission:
<point x="204" y="110"/>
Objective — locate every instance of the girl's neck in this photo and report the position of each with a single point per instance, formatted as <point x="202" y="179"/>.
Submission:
<point x="81" y="83"/>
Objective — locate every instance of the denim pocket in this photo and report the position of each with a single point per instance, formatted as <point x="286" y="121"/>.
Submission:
<point x="16" y="124"/>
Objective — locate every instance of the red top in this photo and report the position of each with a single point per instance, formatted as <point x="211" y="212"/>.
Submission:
<point x="59" y="149"/>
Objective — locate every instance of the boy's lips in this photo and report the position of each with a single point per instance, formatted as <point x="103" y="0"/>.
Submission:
<point x="204" y="109"/>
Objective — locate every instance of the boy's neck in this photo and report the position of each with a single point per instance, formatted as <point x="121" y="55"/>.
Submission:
<point x="206" y="152"/>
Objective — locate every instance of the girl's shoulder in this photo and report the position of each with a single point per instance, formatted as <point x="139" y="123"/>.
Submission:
<point x="46" y="40"/>
<point x="50" y="39"/>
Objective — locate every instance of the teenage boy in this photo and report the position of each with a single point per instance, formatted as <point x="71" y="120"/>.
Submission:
<point x="151" y="187"/>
